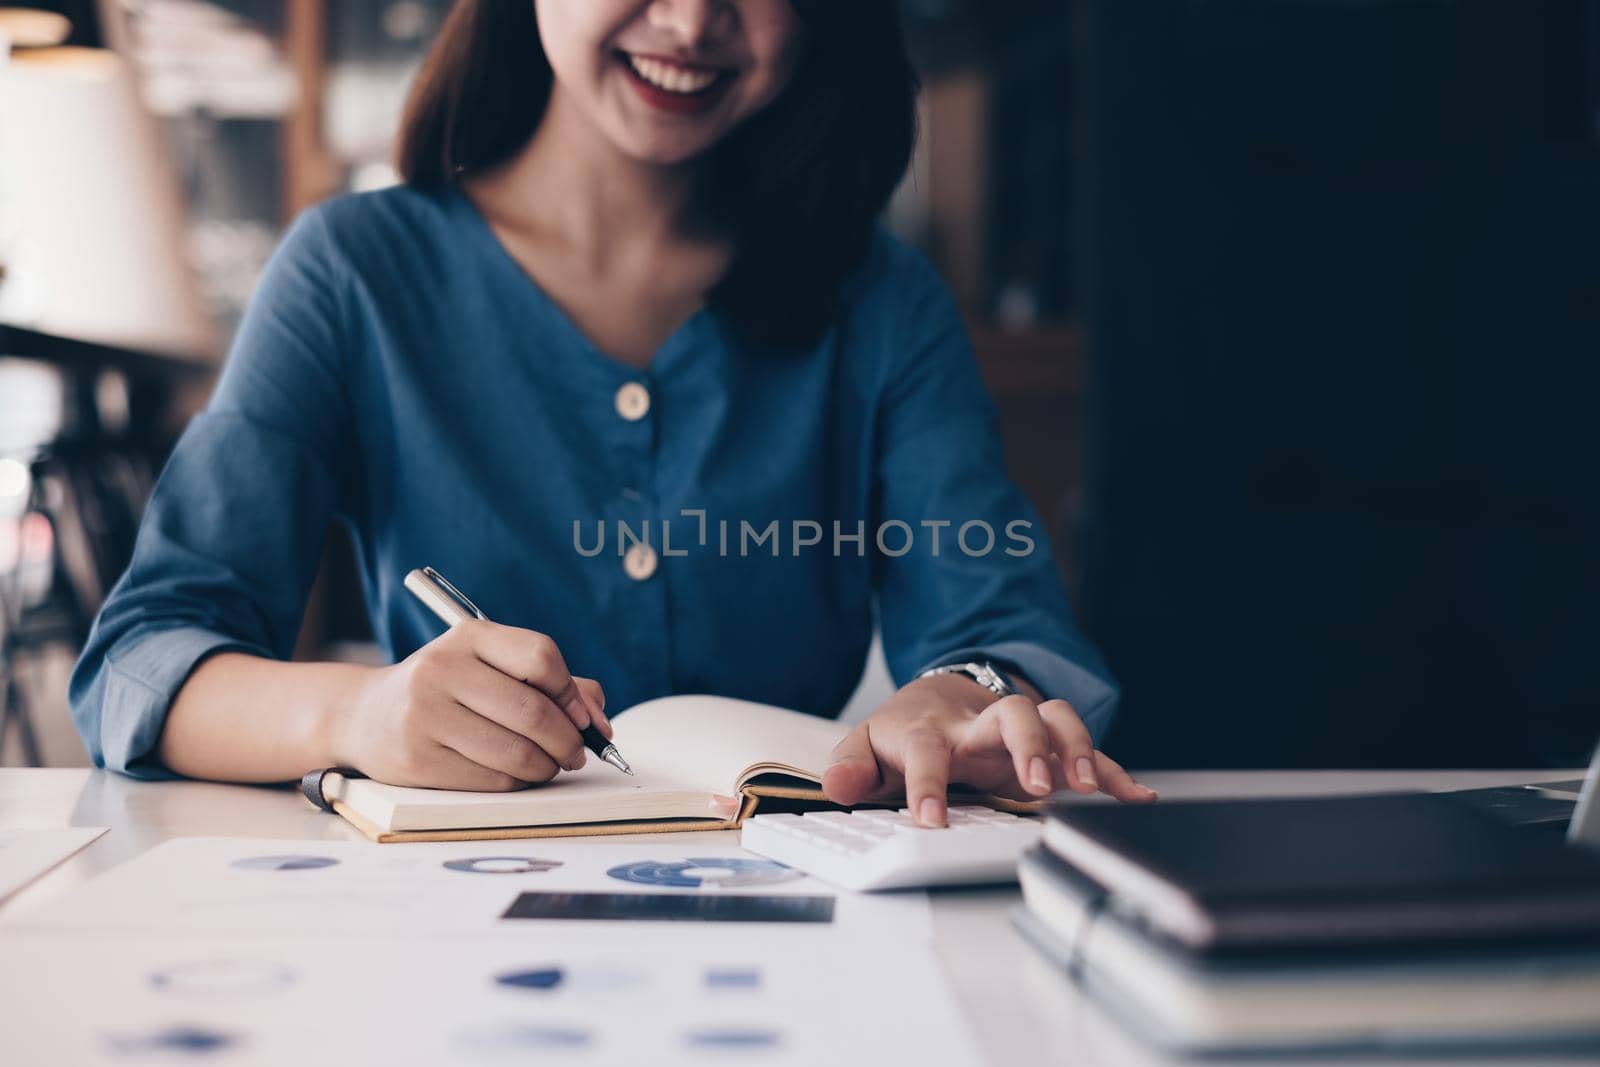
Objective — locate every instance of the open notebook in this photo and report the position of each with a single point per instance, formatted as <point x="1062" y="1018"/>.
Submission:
<point x="683" y="750"/>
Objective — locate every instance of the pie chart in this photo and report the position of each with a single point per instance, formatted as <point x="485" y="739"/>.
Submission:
<point x="701" y="871"/>
<point x="502" y="865"/>
<point x="284" y="863"/>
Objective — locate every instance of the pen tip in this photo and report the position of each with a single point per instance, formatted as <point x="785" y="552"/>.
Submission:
<point x="613" y="757"/>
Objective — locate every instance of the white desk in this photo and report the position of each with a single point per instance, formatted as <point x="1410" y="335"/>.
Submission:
<point x="1023" y="1010"/>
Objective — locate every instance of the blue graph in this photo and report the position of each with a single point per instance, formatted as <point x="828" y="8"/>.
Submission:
<point x="698" y="871"/>
<point x="190" y="1041"/>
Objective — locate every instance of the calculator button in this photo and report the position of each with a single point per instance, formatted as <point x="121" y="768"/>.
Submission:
<point x="828" y="839"/>
<point x="831" y="818"/>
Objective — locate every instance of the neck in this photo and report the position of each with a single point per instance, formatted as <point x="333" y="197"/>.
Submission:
<point x="572" y="185"/>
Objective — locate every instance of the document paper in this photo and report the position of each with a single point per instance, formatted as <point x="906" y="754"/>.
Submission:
<point x="28" y="854"/>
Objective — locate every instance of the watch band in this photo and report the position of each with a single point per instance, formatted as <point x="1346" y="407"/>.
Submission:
<point x="983" y="672"/>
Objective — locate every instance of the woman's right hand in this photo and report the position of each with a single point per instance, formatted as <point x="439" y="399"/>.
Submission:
<point x="482" y="707"/>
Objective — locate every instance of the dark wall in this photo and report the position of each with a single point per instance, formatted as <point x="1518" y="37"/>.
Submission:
<point x="1343" y="310"/>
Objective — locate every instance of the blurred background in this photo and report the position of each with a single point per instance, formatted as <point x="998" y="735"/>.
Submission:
<point x="1291" y="309"/>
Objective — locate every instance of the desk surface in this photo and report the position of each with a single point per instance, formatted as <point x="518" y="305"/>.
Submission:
<point x="1022" y="1010"/>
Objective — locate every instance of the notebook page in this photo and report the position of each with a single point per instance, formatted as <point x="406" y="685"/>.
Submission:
<point x="718" y="743"/>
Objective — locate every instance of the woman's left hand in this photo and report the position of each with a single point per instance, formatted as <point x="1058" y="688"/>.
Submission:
<point x="949" y="728"/>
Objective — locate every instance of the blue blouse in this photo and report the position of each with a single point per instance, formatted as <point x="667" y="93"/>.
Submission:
<point x="722" y="521"/>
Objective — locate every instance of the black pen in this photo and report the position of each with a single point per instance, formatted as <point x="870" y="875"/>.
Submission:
<point x="452" y="606"/>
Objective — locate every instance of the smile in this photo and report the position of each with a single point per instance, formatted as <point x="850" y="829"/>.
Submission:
<point x="675" y="87"/>
<point x="671" y="76"/>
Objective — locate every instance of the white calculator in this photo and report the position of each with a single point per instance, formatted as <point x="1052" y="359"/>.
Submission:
<point x="878" y="849"/>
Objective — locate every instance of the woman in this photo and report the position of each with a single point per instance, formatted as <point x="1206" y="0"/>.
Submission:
<point x="632" y="281"/>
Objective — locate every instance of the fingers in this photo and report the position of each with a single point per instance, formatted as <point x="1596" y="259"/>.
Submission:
<point x="445" y="768"/>
<point x="852" y="774"/>
<point x="1071" y="741"/>
<point x="1015" y="723"/>
<point x="490" y="745"/>
<point x="1120" y="784"/>
<point x="1012" y="748"/>
<point x="529" y="657"/>
<point x="519" y="708"/>
<point x="927" y="762"/>
<point x="597" y="703"/>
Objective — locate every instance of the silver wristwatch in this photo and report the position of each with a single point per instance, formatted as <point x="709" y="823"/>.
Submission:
<point x="983" y="672"/>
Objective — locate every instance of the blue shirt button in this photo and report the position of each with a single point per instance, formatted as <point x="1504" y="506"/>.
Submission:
<point x="639" y="561"/>
<point x="633" y="401"/>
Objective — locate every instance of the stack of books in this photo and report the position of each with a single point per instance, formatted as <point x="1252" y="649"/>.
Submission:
<point x="1406" y="921"/>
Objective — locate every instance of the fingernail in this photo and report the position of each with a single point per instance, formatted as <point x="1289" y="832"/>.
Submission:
<point x="930" y="812"/>
<point x="1086" y="771"/>
<point x="577" y="764"/>
<point x="1039" y="775"/>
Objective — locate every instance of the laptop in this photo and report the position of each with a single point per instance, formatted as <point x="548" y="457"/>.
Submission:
<point x="1569" y="805"/>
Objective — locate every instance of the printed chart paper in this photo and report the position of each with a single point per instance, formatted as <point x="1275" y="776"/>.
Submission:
<point x="27" y="854"/>
<point x="567" y="997"/>
<point x="249" y="887"/>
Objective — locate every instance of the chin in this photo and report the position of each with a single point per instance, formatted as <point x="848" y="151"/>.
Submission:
<point x="665" y="151"/>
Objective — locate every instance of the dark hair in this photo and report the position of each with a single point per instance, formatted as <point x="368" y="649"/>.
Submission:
<point x="799" y="185"/>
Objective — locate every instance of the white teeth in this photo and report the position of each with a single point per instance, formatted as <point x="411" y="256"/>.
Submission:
<point x="670" y="76"/>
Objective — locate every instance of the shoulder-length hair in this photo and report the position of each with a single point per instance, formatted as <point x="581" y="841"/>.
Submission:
<point x="799" y="185"/>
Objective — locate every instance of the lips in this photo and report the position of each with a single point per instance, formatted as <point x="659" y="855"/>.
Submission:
<point x="674" y="87"/>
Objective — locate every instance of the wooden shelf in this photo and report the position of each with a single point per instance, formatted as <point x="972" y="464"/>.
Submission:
<point x="310" y="173"/>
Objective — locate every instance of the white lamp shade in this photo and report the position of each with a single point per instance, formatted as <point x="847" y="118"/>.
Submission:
<point x="91" y="219"/>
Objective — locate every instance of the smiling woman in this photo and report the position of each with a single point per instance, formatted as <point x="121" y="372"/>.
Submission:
<point x="805" y="114"/>
<point x="634" y="275"/>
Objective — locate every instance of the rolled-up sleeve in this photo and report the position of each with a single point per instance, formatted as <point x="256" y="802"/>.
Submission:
<point x="232" y="536"/>
<point x="995" y="592"/>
